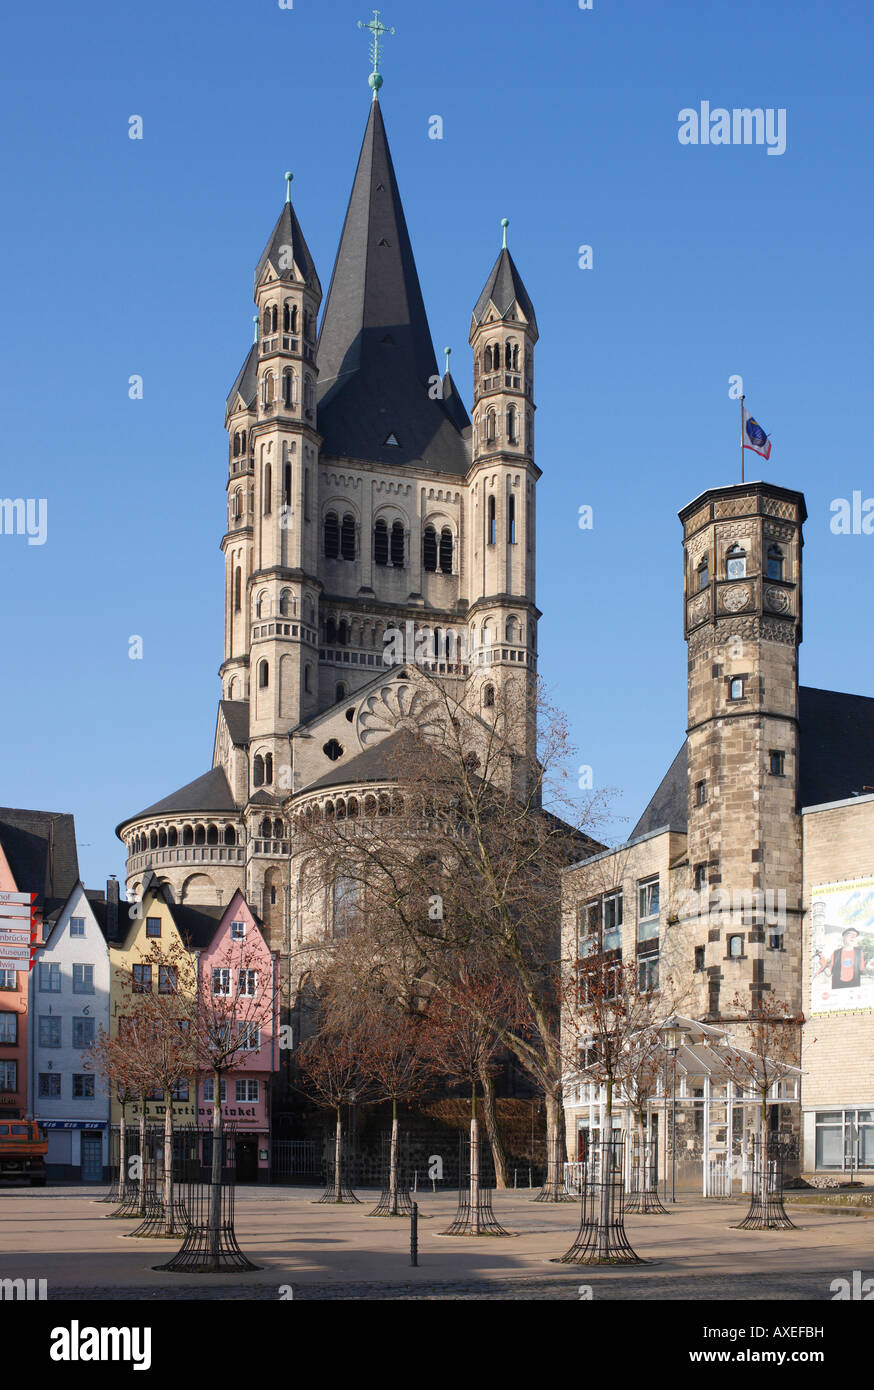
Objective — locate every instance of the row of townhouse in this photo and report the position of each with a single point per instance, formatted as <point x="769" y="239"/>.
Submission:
<point x="95" y="953"/>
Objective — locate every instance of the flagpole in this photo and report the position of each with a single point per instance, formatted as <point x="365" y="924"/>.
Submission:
<point x="741" y="438"/>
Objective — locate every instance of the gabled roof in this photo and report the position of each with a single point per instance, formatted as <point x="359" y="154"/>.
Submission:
<point x="376" y="764"/>
<point x="375" y="355"/>
<point x="246" y="383"/>
<point x="503" y="288"/>
<point x="669" y="805"/>
<point x="207" y="793"/>
<point x="40" y="848"/>
<point x="288" y="235"/>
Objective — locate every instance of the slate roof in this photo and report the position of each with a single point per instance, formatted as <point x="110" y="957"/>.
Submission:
<point x="207" y="793"/>
<point x="503" y="286"/>
<point x="375" y="353"/>
<point x="836" y="762"/>
<point x="40" y="847"/>
<point x="197" y="925"/>
<point x="247" y="379"/>
<point x="374" y="764"/>
<point x="236" y="713"/>
<point x="287" y="233"/>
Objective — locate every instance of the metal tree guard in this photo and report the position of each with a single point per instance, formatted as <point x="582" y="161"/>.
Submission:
<point x="397" y="1202"/>
<point x="476" y="1179"/>
<point x="130" y="1194"/>
<point x="114" y="1193"/>
<point x="555" y="1188"/>
<point x="210" y="1243"/>
<point x="154" y="1224"/>
<point x="338" y="1184"/>
<point x="601" y="1238"/>
<point x="642" y="1197"/>
<point x="767" y="1212"/>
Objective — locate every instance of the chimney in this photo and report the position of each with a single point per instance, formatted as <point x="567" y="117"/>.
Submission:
<point x="112" y="907"/>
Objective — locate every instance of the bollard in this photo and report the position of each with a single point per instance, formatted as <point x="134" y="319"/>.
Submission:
<point x="414" y="1233"/>
<point x="515" y="1178"/>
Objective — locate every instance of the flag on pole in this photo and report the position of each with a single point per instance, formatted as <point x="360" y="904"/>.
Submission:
<point x="754" y="436"/>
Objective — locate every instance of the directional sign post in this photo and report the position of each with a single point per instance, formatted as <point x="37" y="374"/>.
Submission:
<point x="18" y="934"/>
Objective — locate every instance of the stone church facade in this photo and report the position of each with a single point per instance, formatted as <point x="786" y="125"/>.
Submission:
<point x="370" y="522"/>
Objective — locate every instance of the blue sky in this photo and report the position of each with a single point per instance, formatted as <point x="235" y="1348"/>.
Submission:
<point x="121" y="257"/>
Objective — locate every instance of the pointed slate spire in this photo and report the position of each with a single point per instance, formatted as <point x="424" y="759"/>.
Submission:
<point x="378" y="376"/>
<point x="503" y="286"/>
<point x="287" y="248"/>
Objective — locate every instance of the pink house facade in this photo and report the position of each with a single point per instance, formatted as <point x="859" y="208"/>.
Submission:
<point x="237" y="970"/>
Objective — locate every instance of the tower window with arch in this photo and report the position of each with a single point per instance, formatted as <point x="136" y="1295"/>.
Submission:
<point x="307" y="679"/>
<point x="308" y="395"/>
<point x="513" y="356"/>
<point x="489" y="697"/>
<point x="286" y="485"/>
<point x="491" y="427"/>
<point x="332" y="536"/>
<point x="262" y="605"/>
<point x="703" y="573"/>
<point x="736" y="563"/>
<point x="263" y="675"/>
<point x="236" y="507"/>
<point x="347" y="537"/>
<point x="285" y="604"/>
<point x="398" y="545"/>
<point x="380" y="542"/>
<point x="289" y="389"/>
<point x="776" y="563"/>
<point x="258" y="770"/>
<point x="446" y="550"/>
<point x="488" y="358"/>
<point x="268" y="489"/>
<point x="512" y="425"/>
<point x="238" y="589"/>
<point x="267" y="388"/>
<point x="491" y="522"/>
<point x="268" y="768"/>
<point x="511" y="519"/>
<point x="511" y="629"/>
<point x="429" y="549"/>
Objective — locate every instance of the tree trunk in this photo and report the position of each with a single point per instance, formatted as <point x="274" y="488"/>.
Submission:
<point x="493" y="1129"/>
<point x="122" y="1157"/>
<point x="555" y="1144"/>
<point x="168" y="1164"/>
<point x="605" y="1206"/>
<point x="393" y="1162"/>
<point x="474" y="1165"/>
<point x="338" y="1158"/>
<point x="215" y="1177"/>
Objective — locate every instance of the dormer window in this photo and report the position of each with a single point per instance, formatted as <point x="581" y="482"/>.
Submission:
<point x="736" y="563"/>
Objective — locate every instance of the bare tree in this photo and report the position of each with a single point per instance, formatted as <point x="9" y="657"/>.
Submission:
<point x="332" y="1076"/>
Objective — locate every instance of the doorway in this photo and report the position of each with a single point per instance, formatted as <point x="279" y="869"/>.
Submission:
<point x="247" y="1159"/>
<point x="92" y="1157"/>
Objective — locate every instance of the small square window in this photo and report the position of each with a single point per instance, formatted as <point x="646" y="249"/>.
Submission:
<point x="700" y="793"/>
<point x="777" y="761"/>
<point x="83" y="1086"/>
<point x="735" y="947"/>
<point x="699" y="958"/>
<point x="775" y="941"/>
<point x="736" y="688"/>
<point x="83" y="979"/>
<point x="77" y="926"/>
<point x="238" y="930"/>
<point x="153" y="926"/>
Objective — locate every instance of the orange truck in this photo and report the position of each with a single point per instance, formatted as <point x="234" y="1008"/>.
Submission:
<point x="23" y="1151"/>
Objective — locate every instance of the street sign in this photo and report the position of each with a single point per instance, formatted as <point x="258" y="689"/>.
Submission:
<point x="14" y="958"/>
<point x="8" y="910"/>
<point x="15" y="931"/>
<point x="7" y="897"/>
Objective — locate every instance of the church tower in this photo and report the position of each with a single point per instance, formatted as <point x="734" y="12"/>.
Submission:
<point x="503" y="476"/>
<point x="742" y="549"/>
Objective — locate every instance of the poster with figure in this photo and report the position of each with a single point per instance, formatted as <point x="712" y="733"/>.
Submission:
<point x="842" y="946"/>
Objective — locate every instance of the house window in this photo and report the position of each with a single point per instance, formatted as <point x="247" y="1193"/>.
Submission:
<point x="612" y="922"/>
<point x="648" y="974"/>
<point x="153" y="926"/>
<point x="8" y="1028"/>
<point x="167" y="978"/>
<point x="77" y="926"/>
<point x="9" y="979"/>
<point x="736" y="688"/>
<point x="777" y="760"/>
<point x="83" y="979"/>
<point x="221" y="982"/>
<point x="845" y="1139"/>
<point x="588" y="928"/>
<point x="250" y="1036"/>
<point x="83" y="1085"/>
<point x="248" y="983"/>
<point x="775" y="941"/>
<point x="648" y="910"/>
<point x="49" y="1031"/>
<point x="142" y="979"/>
<point x="700" y="793"/>
<point x="736" y="563"/>
<point x="775" y="562"/>
<point x="8" y="1076"/>
<point x="209" y="1089"/>
<point x="246" y="1091"/>
<point x="735" y="947"/>
<point x="699" y="958"/>
<point x="49" y="1085"/>
<point x="180" y="1090"/>
<point x="83" y="1032"/>
<point x="49" y="978"/>
<point x="238" y="931"/>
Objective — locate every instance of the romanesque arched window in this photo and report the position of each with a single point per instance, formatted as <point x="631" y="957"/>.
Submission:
<point x="380" y="542"/>
<point x="488" y="359"/>
<point x="446" y="550"/>
<point x="429" y="549"/>
<point x="347" y="537"/>
<point x="398" y="546"/>
<point x="268" y="489"/>
<point x="263" y="675"/>
<point x="258" y="770"/>
<point x="238" y="590"/>
<point x="512" y="418"/>
<point x="491" y="427"/>
<point x="268" y="768"/>
<point x="511" y="519"/>
<point x="332" y="536"/>
<point x="491" y="520"/>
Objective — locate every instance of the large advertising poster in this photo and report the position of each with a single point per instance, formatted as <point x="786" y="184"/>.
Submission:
<point x="842" y="946"/>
